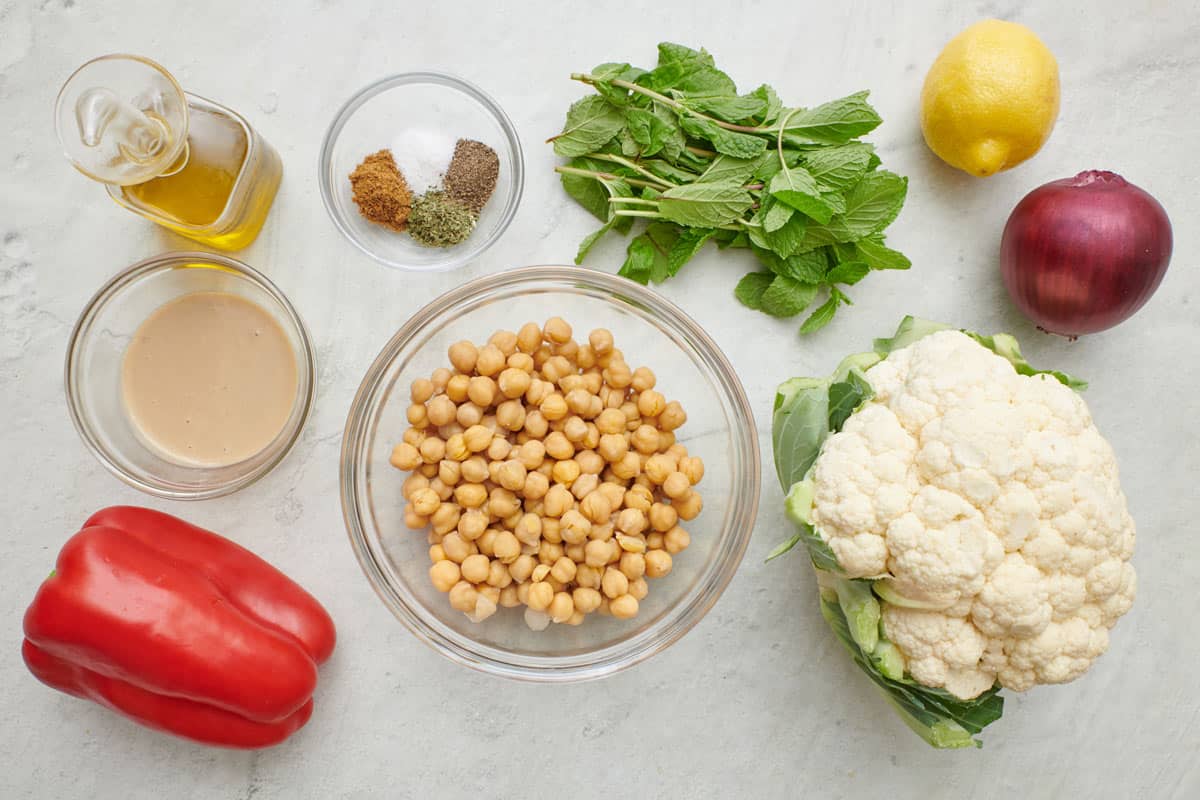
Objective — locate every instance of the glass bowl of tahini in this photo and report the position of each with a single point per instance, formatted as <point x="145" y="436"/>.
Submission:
<point x="189" y="375"/>
<point x="404" y="114"/>
<point x="651" y="332"/>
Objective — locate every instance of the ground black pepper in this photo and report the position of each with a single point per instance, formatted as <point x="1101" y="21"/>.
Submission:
<point x="471" y="177"/>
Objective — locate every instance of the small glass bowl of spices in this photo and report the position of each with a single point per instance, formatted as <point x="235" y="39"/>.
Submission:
<point x="421" y="171"/>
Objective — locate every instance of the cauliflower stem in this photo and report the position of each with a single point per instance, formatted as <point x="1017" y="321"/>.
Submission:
<point x="856" y="602"/>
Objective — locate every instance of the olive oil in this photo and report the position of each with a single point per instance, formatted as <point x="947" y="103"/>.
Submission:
<point x="177" y="159"/>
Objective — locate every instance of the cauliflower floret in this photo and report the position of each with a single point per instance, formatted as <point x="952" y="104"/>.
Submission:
<point x="993" y="503"/>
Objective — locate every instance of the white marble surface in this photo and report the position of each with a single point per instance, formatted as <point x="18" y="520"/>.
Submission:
<point x="759" y="700"/>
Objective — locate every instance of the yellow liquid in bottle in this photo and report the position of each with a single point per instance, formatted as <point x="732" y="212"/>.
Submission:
<point x="219" y="197"/>
<point x="198" y="193"/>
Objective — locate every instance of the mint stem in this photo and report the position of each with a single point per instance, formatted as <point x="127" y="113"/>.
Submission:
<point x="624" y="162"/>
<point x="605" y="176"/>
<point x="666" y="101"/>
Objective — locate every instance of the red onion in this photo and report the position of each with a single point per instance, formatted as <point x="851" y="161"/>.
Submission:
<point x="1082" y="254"/>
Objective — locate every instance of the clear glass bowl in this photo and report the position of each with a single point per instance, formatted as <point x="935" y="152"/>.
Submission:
<point x="97" y="347"/>
<point x="373" y="117"/>
<point x="651" y="332"/>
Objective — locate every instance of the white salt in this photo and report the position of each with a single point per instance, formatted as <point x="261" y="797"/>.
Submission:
<point x="423" y="156"/>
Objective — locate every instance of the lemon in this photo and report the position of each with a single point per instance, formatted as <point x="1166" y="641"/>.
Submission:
<point x="991" y="98"/>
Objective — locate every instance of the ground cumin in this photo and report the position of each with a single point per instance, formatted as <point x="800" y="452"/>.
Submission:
<point x="381" y="192"/>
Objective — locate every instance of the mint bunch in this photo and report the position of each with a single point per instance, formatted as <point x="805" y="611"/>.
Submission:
<point x="679" y="147"/>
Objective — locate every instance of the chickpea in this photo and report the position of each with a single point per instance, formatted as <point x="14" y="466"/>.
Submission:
<point x="487" y="541"/>
<point x="462" y="356"/>
<point x="413" y="520"/>
<point x="522" y="568"/>
<point x="586" y="600"/>
<point x="528" y="529"/>
<point x="436" y="553"/>
<point x="551" y="527"/>
<point x="692" y="469"/>
<point x="506" y="547"/>
<point x="561" y="607"/>
<point x="523" y="593"/>
<point x="575" y="527"/>
<point x="417" y="415"/>
<point x="470" y="495"/>
<point x="672" y="416"/>
<point x="591" y="439"/>
<point x="541" y="356"/>
<point x="557" y="501"/>
<point x="449" y="429"/>
<point x="475" y="470"/>
<point x="421" y="390"/>
<point x="468" y="414"/>
<point x="633" y="565"/>
<point x="413" y="436"/>
<point x="614" y="583"/>
<point x="633" y="418"/>
<point x="588" y="577"/>
<point x="558" y="446"/>
<point x="405" y="456"/>
<point x="655" y="540"/>
<point x="509" y="597"/>
<point x="556" y="330"/>
<point x="511" y="475"/>
<point x="585" y="357"/>
<point x="472" y="524"/>
<point x="504" y="341"/>
<point x="570" y="383"/>
<point x="638" y="498"/>
<point x="578" y="400"/>
<point x="631" y="521"/>
<point x="456" y="388"/>
<point x="676" y="540"/>
<point x="538" y="391"/>
<point x="513" y="382"/>
<point x="529" y="338"/>
<point x="490" y="362"/>
<point x="575" y="552"/>
<point x="456" y="547"/>
<point x="522" y="362"/>
<point x="645" y="439"/>
<point x="575" y="429"/>
<point x="441" y="410"/>
<point x="456" y="448"/>
<point x="553" y="407"/>
<point x="536" y="486"/>
<point x="541" y="594"/>
<point x="568" y="349"/>
<point x="666" y="440"/>
<point x="510" y="415"/>
<point x="602" y="533"/>
<point x="563" y="570"/>
<point x="536" y="424"/>
<point x="658" y="467"/>
<point x="428" y="470"/>
<point x="658" y="563"/>
<point x="531" y="454"/>
<point x="439" y="378"/>
<point x="499" y="449"/>
<point x="614" y="493"/>
<point x="689" y="506"/>
<point x="425" y="502"/>
<point x="445" y="519"/>
<point x="613" y="447"/>
<point x="596" y="553"/>
<point x="491" y="594"/>
<point x="618" y="375"/>
<point x="651" y="403"/>
<point x="463" y="597"/>
<point x="477" y="438"/>
<point x="412" y="484"/>
<point x="628" y="467"/>
<point x="556" y="368"/>
<point x="584" y="485"/>
<point x="481" y="391"/>
<point x="663" y="517"/>
<point x="624" y="607"/>
<point x="643" y="380"/>
<point x="565" y="472"/>
<point x="590" y="462"/>
<point x="676" y="485"/>
<point x="612" y="398"/>
<point x="475" y="568"/>
<point x="639" y="589"/>
<point x="549" y="552"/>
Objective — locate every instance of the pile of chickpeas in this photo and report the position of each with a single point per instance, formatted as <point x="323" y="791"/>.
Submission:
<point x="547" y="474"/>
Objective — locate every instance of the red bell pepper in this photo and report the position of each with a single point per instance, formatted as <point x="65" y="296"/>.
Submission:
<point x="178" y="629"/>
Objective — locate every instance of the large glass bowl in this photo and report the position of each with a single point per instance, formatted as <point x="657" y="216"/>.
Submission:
<point x="371" y="119"/>
<point x="651" y="332"/>
<point x="93" y="372"/>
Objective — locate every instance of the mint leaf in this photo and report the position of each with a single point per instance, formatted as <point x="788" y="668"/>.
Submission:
<point x="610" y="72"/>
<point x="751" y="287"/>
<point x="774" y="214"/>
<point x="731" y="143"/>
<point x="838" y="167"/>
<point x="704" y="205"/>
<point x="877" y="255"/>
<point x="731" y="108"/>
<point x="591" y="123"/>
<point x="650" y="132"/>
<point x="834" y="122"/>
<point x="685" y="247"/>
<point x="872" y="204"/>
<point x="848" y="272"/>
<point x="646" y="259"/>
<point x="807" y="267"/>
<point x="590" y="240"/>
<point x="798" y="189"/>
<point x="674" y="63"/>
<point x="639" y="260"/>
<point x="729" y="168"/>
<point x="787" y="238"/>
<point x="822" y="316"/>
<point x="771" y="103"/>
<point x="786" y="297"/>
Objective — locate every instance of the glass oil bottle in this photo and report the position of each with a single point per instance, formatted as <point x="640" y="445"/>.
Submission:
<point x="175" y="158"/>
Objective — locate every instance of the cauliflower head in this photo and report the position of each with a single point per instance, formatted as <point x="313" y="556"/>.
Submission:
<point x="988" y="507"/>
